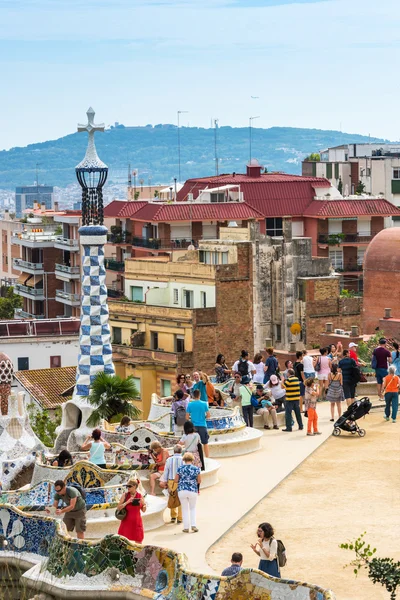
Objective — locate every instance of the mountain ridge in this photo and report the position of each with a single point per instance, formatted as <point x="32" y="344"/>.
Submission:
<point x="153" y="152"/>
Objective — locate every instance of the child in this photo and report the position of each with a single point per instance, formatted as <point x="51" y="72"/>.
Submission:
<point x="310" y="400"/>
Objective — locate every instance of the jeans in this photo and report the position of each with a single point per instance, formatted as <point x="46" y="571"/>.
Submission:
<point x="248" y="415"/>
<point x="188" y="502"/>
<point x="392" y="400"/>
<point x="289" y="406"/>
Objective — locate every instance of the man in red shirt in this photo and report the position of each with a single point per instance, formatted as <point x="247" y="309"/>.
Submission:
<point x="353" y="354"/>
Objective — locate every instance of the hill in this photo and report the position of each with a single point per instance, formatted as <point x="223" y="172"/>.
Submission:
<point x="153" y="152"/>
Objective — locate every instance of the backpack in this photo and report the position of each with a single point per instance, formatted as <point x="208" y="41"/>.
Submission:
<point x="243" y="367"/>
<point x="374" y="361"/>
<point x="280" y="553"/>
<point x="78" y="487"/>
<point x="356" y="375"/>
<point x="180" y="415"/>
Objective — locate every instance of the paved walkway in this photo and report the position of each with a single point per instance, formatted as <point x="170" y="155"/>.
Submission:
<point x="243" y="482"/>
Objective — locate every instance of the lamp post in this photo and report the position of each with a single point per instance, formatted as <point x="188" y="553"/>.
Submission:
<point x="251" y="119"/>
<point x="179" y="113"/>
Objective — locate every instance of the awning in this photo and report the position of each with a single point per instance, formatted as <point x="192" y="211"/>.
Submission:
<point x="22" y="278"/>
<point x="34" y="281"/>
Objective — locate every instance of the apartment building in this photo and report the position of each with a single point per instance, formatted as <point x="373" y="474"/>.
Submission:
<point x="8" y="226"/>
<point x="29" y="195"/>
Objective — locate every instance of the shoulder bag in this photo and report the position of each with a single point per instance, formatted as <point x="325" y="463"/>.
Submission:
<point x="120" y="513"/>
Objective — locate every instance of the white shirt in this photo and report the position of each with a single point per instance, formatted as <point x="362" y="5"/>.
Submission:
<point x="272" y="547"/>
<point x="308" y="364"/>
<point x="276" y="391"/>
<point x="259" y="375"/>
<point x="250" y="365"/>
<point x="172" y="465"/>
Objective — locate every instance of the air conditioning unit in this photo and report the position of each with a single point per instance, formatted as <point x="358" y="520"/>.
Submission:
<point x="339" y="331"/>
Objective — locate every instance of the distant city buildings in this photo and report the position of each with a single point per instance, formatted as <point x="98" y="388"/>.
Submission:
<point x="27" y="196"/>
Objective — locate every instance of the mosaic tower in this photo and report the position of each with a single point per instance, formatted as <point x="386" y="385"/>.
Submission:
<point x="95" y="353"/>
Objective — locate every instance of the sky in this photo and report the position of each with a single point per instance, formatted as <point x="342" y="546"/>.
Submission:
<point x="326" y="64"/>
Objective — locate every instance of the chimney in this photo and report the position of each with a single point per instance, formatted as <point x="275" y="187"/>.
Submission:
<point x="36" y="205"/>
<point x="43" y="207"/>
<point x="55" y="205"/>
<point x="354" y="331"/>
<point x="328" y="327"/>
<point x="388" y="313"/>
<point x="253" y="169"/>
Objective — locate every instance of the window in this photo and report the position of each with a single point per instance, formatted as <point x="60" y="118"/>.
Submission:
<point x="396" y="173"/>
<point x="217" y="197"/>
<point x="360" y="256"/>
<point x="136" y="293"/>
<point x="137" y="382"/>
<point x="301" y="290"/>
<point x="187" y="299"/>
<point x="23" y="364"/>
<point x="154" y="340"/>
<point x="176" y="296"/>
<point x="203" y="299"/>
<point x="336" y="170"/>
<point x="278" y="333"/>
<point x="166" y="387"/>
<point x="334" y="226"/>
<point x="329" y="170"/>
<point x="179" y="343"/>
<point x="117" y="335"/>
<point x="213" y="257"/>
<point x="55" y="362"/>
<point x="336" y="258"/>
<point x="275" y="227"/>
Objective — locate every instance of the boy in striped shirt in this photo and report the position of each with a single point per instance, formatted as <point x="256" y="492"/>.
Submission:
<point x="292" y="401"/>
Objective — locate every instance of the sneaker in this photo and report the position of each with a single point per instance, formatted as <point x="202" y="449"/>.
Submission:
<point x="194" y="529"/>
<point x="185" y="530"/>
<point x="173" y="520"/>
<point x="310" y="434"/>
<point x="317" y="432"/>
<point x="275" y="427"/>
<point x="301" y="428"/>
<point x="290" y="430"/>
<point x="179" y="521"/>
<point x="386" y="418"/>
<point x="393" y="420"/>
<point x="331" y="420"/>
<point x="267" y="427"/>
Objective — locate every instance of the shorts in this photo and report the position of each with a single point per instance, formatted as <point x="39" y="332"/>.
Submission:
<point x="309" y="375"/>
<point x="349" y="389"/>
<point x="203" y="433"/>
<point x="76" y="519"/>
<point x="322" y="377"/>
<point x="302" y="388"/>
<point x="380" y="374"/>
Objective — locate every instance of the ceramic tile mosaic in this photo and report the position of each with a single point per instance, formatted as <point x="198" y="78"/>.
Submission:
<point x="155" y="573"/>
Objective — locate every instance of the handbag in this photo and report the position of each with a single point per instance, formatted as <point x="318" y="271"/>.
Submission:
<point x="374" y="361"/>
<point x="173" y="499"/>
<point x="318" y="365"/>
<point x="120" y="513"/>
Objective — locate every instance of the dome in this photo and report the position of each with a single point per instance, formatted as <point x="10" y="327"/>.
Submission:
<point x="383" y="252"/>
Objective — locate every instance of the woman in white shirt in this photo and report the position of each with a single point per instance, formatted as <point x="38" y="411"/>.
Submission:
<point x="267" y="548"/>
<point x="259" y="366"/>
<point x="308" y="366"/>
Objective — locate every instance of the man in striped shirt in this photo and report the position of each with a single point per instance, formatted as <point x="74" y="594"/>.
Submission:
<point x="292" y="401"/>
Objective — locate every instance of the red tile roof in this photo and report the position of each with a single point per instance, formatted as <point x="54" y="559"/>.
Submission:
<point x="351" y="208"/>
<point x="188" y="211"/>
<point x="272" y="194"/>
<point x="122" y="208"/>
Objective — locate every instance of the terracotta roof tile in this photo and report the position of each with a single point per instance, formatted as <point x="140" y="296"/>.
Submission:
<point x="122" y="208"/>
<point x="193" y="211"/>
<point x="351" y="208"/>
<point x="47" y="385"/>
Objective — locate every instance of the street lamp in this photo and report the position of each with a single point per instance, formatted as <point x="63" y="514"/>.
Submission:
<point x="251" y="119"/>
<point x="179" y="112"/>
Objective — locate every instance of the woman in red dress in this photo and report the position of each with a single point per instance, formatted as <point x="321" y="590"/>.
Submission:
<point x="132" y="526"/>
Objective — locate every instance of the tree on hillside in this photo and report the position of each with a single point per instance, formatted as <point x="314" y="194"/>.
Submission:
<point x="8" y="302"/>
<point x="111" y="395"/>
<point x="313" y="157"/>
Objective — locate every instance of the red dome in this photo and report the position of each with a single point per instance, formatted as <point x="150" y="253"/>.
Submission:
<point x="383" y="253"/>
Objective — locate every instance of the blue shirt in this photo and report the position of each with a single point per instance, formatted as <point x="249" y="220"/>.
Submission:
<point x="232" y="570"/>
<point x="188" y="478"/>
<point x="200" y="385"/>
<point x="197" y="410"/>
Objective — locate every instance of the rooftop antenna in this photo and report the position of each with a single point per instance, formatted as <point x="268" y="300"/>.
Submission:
<point x="179" y="113"/>
<point x="37" y="183"/>
<point x="129" y="176"/>
<point x="251" y="119"/>
<point x="216" y="145"/>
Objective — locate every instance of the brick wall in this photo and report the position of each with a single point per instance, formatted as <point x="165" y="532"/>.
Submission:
<point x="377" y="224"/>
<point x="390" y="327"/>
<point x="349" y="226"/>
<point x="197" y="230"/>
<point x="374" y="301"/>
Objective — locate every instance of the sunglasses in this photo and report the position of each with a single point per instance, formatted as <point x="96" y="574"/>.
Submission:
<point x="58" y="491"/>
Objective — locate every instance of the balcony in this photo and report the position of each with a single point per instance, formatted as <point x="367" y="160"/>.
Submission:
<point x="160" y="244"/>
<point x="22" y="314"/>
<point x="114" y="265"/>
<point x="29" y="292"/>
<point x="41" y="236"/>
<point x="63" y="243"/>
<point x="66" y="273"/>
<point x="67" y="298"/>
<point x="335" y="239"/>
<point x="120" y="237"/>
<point x="28" y="267"/>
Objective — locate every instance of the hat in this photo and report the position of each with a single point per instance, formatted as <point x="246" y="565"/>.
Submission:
<point x="259" y="386"/>
<point x="353" y="345"/>
<point x="274" y="380"/>
<point x="382" y="341"/>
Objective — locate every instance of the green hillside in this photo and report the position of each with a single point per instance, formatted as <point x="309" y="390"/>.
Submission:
<point x="153" y="152"/>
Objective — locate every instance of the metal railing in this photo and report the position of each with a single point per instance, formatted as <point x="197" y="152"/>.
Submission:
<point x="67" y="296"/>
<point x="59" y="239"/>
<point x="123" y="237"/>
<point x="38" y="325"/>
<point x="22" y="314"/>
<point x="24" y="264"/>
<point x="36" y="292"/>
<point x="340" y="238"/>
<point x="66" y="269"/>
<point x="114" y="265"/>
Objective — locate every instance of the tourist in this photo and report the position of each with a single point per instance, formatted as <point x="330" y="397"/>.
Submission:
<point x="267" y="549"/>
<point x="221" y="369"/>
<point x="159" y="455"/>
<point x="244" y="367"/>
<point x="235" y="567"/>
<point x="347" y="366"/>
<point x="335" y="352"/>
<point x="198" y="411"/>
<point x="218" y="398"/>
<point x="259" y="365"/>
<point x="168" y="480"/>
<point x="396" y="357"/>
<point x="97" y="446"/>
<point x="74" y="509"/>
<point x="181" y="383"/>
<point x="380" y="359"/>
<point x="323" y="368"/>
<point x="390" y="389"/>
<point x="299" y="372"/>
<point x="209" y="388"/>
<point x="292" y="385"/>
<point x="200" y="385"/>
<point x="131" y="526"/>
<point x="263" y="406"/>
<point x="334" y="393"/>
<point x="124" y="426"/>
<point x="188" y="479"/>
<point x="271" y="365"/>
<point x="188" y="383"/>
<point x="192" y="443"/>
<point x="276" y="388"/>
<point x="178" y="407"/>
<point x="353" y="354"/>
<point x="64" y="459"/>
<point x="310" y="404"/>
<point x="247" y="408"/>
<point x="235" y="390"/>
<point x="308" y="366"/>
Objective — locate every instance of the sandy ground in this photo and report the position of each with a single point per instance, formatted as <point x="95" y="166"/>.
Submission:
<point x="347" y="486"/>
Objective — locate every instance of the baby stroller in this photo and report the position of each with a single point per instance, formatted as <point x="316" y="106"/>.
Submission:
<point x="348" y="420"/>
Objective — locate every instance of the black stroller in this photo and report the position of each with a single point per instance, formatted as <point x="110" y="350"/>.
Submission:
<point x="348" y="420"/>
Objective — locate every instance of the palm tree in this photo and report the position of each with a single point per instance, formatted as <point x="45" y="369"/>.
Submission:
<point x="110" y="394"/>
